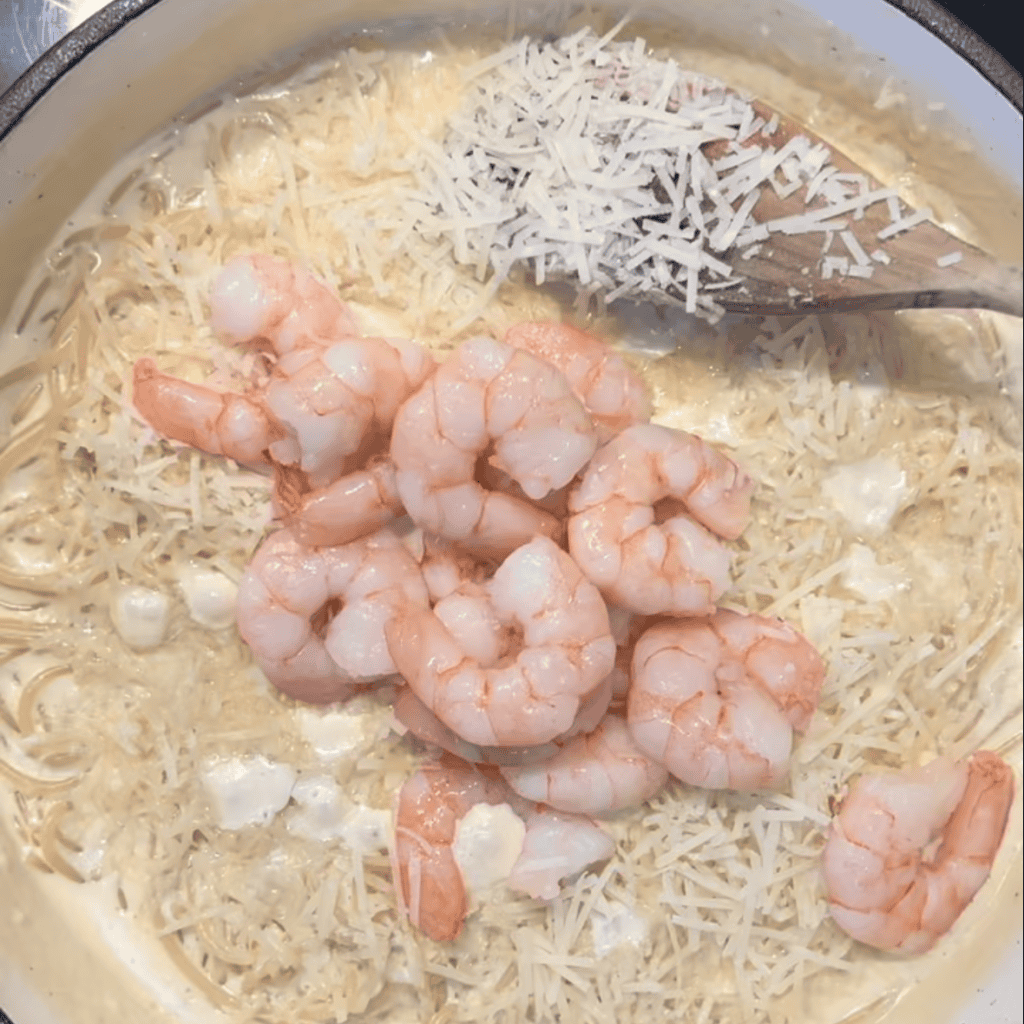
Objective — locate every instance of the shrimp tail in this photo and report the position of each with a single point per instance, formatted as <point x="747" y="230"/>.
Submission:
<point x="432" y="884"/>
<point x="219" y="423"/>
<point x="357" y="504"/>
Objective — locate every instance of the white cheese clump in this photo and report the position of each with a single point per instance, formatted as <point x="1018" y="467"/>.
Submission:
<point x="366" y="829"/>
<point x="617" y="926"/>
<point x="341" y="733"/>
<point x="320" y="814"/>
<point x="210" y="597"/>
<point x="869" y="493"/>
<point x="873" y="582"/>
<point x="247" y="790"/>
<point x="488" y="842"/>
<point x="140" y="616"/>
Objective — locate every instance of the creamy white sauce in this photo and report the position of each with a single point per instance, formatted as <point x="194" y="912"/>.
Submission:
<point x="14" y="674"/>
<point x="1010" y="332"/>
<point x="93" y="912"/>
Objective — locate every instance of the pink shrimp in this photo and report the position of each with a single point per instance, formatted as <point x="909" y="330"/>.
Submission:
<point x="431" y="806"/>
<point x="489" y="401"/>
<point x="458" y="586"/>
<point x="556" y="846"/>
<point x="675" y="567"/>
<point x="240" y="427"/>
<point x="258" y="297"/>
<point x="358" y="503"/>
<point x="288" y="612"/>
<point x="613" y="395"/>
<point x="716" y="700"/>
<point x="326" y="407"/>
<point x="339" y="402"/>
<point x="626" y="628"/>
<point x="907" y="852"/>
<point x="527" y="697"/>
<point x="412" y="713"/>
<point x="597" y="773"/>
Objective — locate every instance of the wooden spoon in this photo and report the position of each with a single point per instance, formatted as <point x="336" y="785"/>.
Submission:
<point x="786" y="274"/>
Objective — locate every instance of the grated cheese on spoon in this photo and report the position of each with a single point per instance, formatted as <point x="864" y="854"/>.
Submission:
<point x="582" y="158"/>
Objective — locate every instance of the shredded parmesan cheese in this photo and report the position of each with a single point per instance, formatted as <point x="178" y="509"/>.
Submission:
<point x="583" y="158"/>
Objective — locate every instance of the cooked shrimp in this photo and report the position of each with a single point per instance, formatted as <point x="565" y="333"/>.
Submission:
<point x="908" y="852"/>
<point x="340" y="401"/>
<point x="287" y="593"/>
<point x="458" y="586"/>
<point x="259" y="297"/>
<point x="411" y="712"/>
<point x="613" y="395"/>
<point x="430" y="807"/>
<point x="556" y="846"/>
<point x="360" y="503"/>
<point x="527" y="697"/>
<point x="331" y="395"/>
<point x="626" y="628"/>
<point x="716" y="700"/>
<point x="675" y="567"/>
<point x="598" y="773"/>
<point x="489" y="401"/>
<point x="221" y="423"/>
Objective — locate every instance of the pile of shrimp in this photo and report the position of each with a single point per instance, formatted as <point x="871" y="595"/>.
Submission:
<point x="539" y="567"/>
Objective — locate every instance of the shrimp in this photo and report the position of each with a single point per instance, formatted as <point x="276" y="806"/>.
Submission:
<point x="327" y="405"/>
<point x="908" y="852"/>
<point x="613" y="395"/>
<point x="457" y="584"/>
<point x="240" y="427"/>
<point x="539" y="594"/>
<point x="626" y="628"/>
<point x="411" y="712"/>
<point x="489" y="401"/>
<point x="258" y="297"/>
<point x="339" y="402"/>
<point x="288" y="612"/>
<point x="675" y="567"/>
<point x="467" y="610"/>
<point x="359" y="503"/>
<point x="716" y="700"/>
<point x="598" y="773"/>
<point x="556" y="845"/>
<point x="430" y="806"/>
